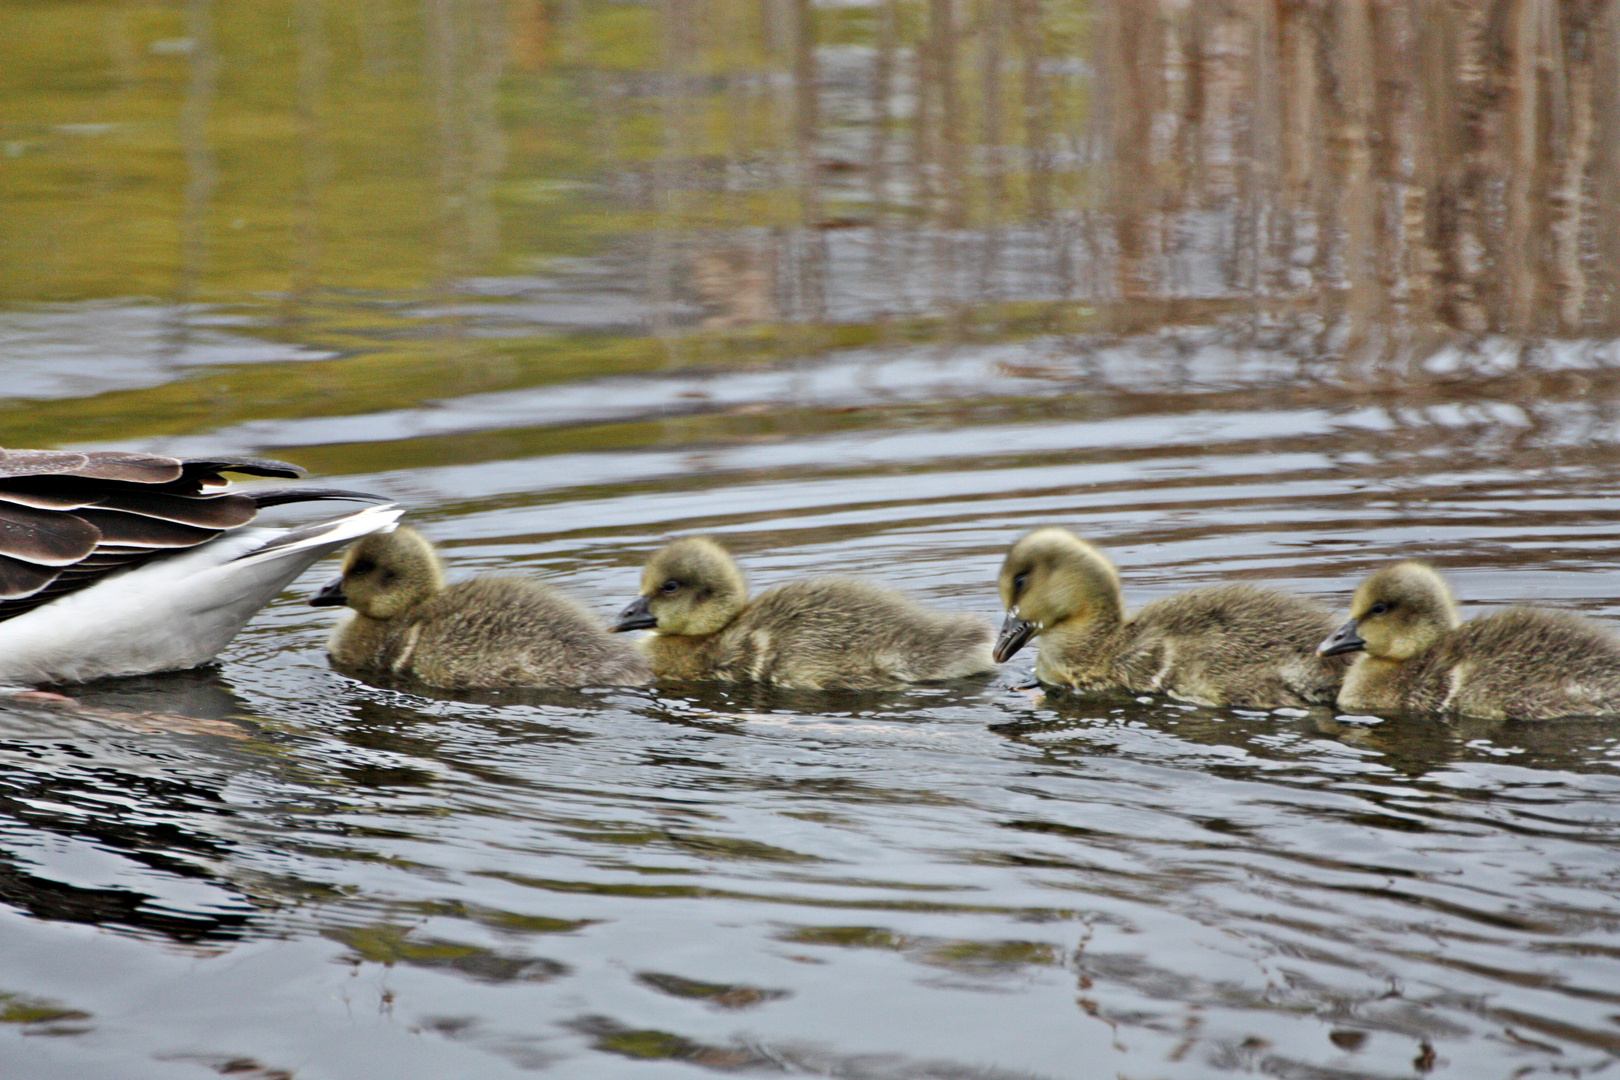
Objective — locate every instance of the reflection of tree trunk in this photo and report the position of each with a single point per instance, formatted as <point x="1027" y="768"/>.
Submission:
<point x="1463" y="251"/>
<point x="487" y="149"/>
<point x="1517" y="284"/>
<point x="441" y="49"/>
<point x="811" y="300"/>
<point x="1352" y="72"/>
<point x="1037" y="105"/>
<point x="378" y="48"/>
<point x="995" y="156"/>
<point x="669" y="170"/>
<point x="126" y="62"/>
<point x="882" y="121"/>
<point x="1300" y="244"/>
<point x="1408" y="262"/>
<point x="944" y="209"/>
<point x="1257" y="171"/>
<point x="1136" y="37"/>
<point x="201" y="171"/>
<point x="314" y="63"/>
<point x="1568" y="198"/>
<point x="1604" y="179"/>
<point x="943" y="76"/>
<point x="466" y="51"/>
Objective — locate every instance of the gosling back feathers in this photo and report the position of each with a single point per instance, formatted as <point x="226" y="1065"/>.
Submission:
<point x="1219" y="645"/>
<point x="487" y="632"/>
<point x="821" y="633"/>
<point x="1413" y="654"/>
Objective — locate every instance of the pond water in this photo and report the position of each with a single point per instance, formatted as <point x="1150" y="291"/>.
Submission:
<point x="1246" y="292"/>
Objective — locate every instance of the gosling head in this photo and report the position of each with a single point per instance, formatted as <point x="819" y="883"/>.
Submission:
<point x="1398" y="613"/>
<point x="385" y="575"/>
<point x="1052" y="577"/>
<point x="691" y="587"/>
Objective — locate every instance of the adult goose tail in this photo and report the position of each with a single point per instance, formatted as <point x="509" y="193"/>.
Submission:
<point x="117" y="563"/>
<point x="171" y="612"/>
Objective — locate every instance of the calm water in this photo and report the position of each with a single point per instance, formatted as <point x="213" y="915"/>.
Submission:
<point x="1273" y="293"/>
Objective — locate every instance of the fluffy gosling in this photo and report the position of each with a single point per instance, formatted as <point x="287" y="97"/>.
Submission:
<point x="819" y="634"/>
<point x="488" y="632"/>
<point x="1221" y="645"/>
<point x="1413" y="654"/>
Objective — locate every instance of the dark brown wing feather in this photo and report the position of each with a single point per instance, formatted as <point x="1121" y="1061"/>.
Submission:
<point x="131" y="468"/>
<point x="203" y="511"/>
<point x="40" y="462"/>
<point x="69" y="519"/>
<point x="20" y="579"/>
<point x="135" y="531"/>
<point x="46" y="537"/>
<point x="53" y="492"/>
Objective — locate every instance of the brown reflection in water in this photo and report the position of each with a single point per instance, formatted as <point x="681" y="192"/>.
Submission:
<point x="1404" y="163"/>
<point x="1383" y="175"/>
<point x="467" y="49"/>
<point x="202" y="173"/>
<point x="313" y="96"/>
<point x="1388" y="173"/>
<point x="1400" y="170"/>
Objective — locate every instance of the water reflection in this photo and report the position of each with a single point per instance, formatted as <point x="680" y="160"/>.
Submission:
<point x="1375" y="179"/>
<point x="1243" y="292"/>
<point x="131" y="838"/>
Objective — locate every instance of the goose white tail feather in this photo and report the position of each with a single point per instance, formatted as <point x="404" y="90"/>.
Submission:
<point x="174" y="612"/>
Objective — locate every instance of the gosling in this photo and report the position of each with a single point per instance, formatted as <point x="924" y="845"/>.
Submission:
<point x="1221" y="645"/>
<point x="485" y="633"/>
<point x="821" y="634"/>
<point x="1414" y="655"/>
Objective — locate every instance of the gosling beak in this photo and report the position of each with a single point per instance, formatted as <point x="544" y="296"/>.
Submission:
<point x="1343" y="640"/>
<point x="1014" y="633"/>
<point x="635" y="617"/>
<point x="330" y="594"/>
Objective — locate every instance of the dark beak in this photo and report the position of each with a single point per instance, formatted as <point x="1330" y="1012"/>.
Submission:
<point x="330" y="594"/>
<point x="1014" y="633"/>
<point x="1343" y="640"/>
<point x="635" y="617"/>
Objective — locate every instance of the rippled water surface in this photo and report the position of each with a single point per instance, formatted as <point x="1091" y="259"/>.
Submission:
<point x="1266" y="294"/>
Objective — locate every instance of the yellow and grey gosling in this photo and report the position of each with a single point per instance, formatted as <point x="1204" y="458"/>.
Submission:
<point x="1221" y="645"/>
<point x="1414" y="655"/>
<point x="821" y="634"/>
<point x="487" y="632"/>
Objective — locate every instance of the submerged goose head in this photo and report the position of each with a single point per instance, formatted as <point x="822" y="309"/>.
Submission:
<point x="1052" y="577"/>
<point x="385" y="575"/>
<point x="1399" y="612"/>
<point x="691" y="588"/>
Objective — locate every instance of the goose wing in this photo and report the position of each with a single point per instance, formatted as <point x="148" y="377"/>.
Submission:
<point x="69" y="519"/>
<point x="177" y="611"/>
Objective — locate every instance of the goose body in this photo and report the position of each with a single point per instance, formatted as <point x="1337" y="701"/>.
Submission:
<point x="1413" y="654"/>
<point x="1219" y="645"/>
<point x="485" y="633"/>
<point x="822" y="633"/>
<point x="125" y="564"/>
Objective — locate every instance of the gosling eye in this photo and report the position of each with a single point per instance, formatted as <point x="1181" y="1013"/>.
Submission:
<point x="669" y="586"/>
<point x="1378" y="608"/>
<point x="363" y="566"/>
<point x="1019" y="582"/>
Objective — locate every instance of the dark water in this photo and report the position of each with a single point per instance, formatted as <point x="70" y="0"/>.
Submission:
<point x="1271" y="293"/>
